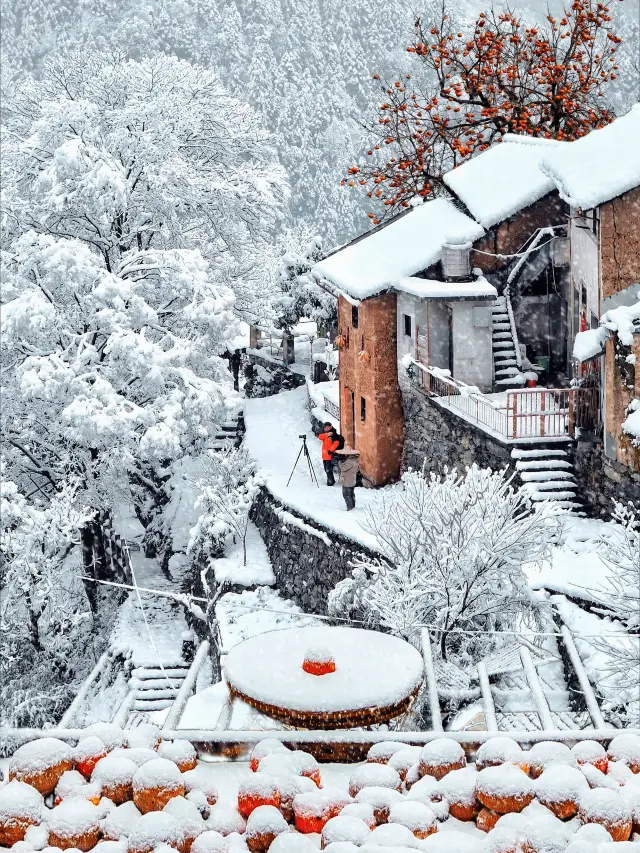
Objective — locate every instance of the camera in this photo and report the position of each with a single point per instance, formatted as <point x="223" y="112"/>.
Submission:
<point x="303" y="437"/>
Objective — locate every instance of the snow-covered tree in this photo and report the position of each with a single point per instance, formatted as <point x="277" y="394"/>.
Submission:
<point x="227" y="491"/>
<point x="452" y="554"/>
<point x="299" y="294"/>
<point x="44" y="612"/>
<point x="137" y="195"/>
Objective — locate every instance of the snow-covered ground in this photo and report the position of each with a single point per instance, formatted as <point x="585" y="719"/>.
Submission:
<point x="151" y="627"/>
<point x="274" y="425"/>
<point x="576" y="567"/>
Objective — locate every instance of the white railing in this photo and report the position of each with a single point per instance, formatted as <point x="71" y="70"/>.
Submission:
<point x="330" y="408"/>
<point x="530" y="414"/>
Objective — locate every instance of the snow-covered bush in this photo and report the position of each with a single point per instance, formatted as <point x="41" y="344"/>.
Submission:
<point x="134" y="195"/>
<point x="452" y="554"/>
<point x="227" y="489"/>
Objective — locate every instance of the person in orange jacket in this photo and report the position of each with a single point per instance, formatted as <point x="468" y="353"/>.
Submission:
<point x="330" y="444"/>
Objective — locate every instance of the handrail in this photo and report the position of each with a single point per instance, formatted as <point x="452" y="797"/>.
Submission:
<point x="81" y="695"/>
<point x="529" y="414"/>
<point x="186" y="688"/>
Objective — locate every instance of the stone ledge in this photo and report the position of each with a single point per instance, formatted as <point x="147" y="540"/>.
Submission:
<point x="305" y="566"/>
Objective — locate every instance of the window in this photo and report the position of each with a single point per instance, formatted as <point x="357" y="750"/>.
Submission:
<point x="354" y="316"/>
<point x="407" y="324"/>
<point x="363" y="409"/>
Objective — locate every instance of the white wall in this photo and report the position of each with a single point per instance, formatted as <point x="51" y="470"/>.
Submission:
<point x="472" y="344"/>
<point x="584" y="264"/>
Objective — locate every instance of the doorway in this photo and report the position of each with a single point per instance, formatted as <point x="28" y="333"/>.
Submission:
<point x="349" y="417"/>
<point x="450" y="326"/>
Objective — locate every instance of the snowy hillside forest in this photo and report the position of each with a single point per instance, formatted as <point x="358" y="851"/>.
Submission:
<point x="306" y="68"/>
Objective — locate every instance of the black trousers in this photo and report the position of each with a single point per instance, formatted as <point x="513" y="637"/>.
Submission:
<point x="349" y="495"/>
<point x="327" y="464"/>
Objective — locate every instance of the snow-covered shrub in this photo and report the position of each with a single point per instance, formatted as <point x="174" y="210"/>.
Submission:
<point x="452" y="554"/>
<point x="227" y="489"/>
<point x="620" y="551"/>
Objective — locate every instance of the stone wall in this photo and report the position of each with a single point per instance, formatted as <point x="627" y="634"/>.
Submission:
<point x="437" y="438"/>
<point x="269" y="377"/>
<point x="620" y="242"/>
<point x="603" y="480"/>
<point x="308" y="560"/>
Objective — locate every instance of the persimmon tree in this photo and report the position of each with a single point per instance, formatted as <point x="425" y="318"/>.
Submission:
<point x="503" y="77"/>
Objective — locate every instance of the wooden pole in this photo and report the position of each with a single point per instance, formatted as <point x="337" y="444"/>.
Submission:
<point x="536" y="689"/>
<point x="487" y="698"/>
<point x="430" y="677"/>
<point x="583" y="679"/>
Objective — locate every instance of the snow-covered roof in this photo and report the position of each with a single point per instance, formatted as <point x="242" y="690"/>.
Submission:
<point x="623" y="321"/>
<point x="600" y="166"/>
<point x="504" y="179"/>
<point x="406" y="245"/>
<point x="425" y="288"/>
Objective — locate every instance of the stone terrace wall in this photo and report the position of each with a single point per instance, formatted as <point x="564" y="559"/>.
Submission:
<point x="604" y="480"/>
<point x="437" y="438"/>
<point x="308" y="560"/>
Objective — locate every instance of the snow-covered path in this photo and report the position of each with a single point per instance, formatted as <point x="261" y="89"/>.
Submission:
<point x="274" y="425"/>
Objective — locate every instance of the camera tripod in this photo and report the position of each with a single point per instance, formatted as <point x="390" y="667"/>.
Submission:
<point x="304" y="449"/>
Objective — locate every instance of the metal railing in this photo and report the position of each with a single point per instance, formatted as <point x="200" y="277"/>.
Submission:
<point x="330" y="408"/>
<point x="530" y="414"/>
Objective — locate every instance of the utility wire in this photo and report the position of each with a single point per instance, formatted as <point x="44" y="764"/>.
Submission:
<point x="183" y="598"/>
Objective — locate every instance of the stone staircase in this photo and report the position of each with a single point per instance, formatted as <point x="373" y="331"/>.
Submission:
<point x="507" y="372"/>
<point x="154" y="689"/>
<point x="230" y="434"/>
<point x="547" y="475"/>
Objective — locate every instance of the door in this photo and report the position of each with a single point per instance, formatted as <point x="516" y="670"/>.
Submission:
<point x="450" y="316"/>
<point x="349" y="427"/>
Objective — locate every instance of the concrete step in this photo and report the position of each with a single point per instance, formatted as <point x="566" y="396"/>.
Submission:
<point x="159" y="693"/>
<point x="551" y="486"/>
<point x="152" y="704"/>
<point x="499" y="318"/>
<point x="506" y="362"/>
<point x="507" y="371"/>
<point x="574" y="505"/>
<point x="504" y="345"/>
<point x="144" y="672"/>
<point x="502" y="336"/>
<point x="500" y="327"/>
<point x="546" y="476"/>
<point x="552" y="496"/>
<point x="518" y="453"/>
<point x="510" y="383"/>
<point x="542" y="464"/>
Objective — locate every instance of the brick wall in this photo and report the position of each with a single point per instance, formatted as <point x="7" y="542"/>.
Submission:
<point x="620" y="242"/>
<point x="620" y="268"/>
<point x="508" y="237"/>
<point x="376" y="430"/>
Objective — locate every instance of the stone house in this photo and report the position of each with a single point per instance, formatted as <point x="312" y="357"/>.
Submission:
<point x="482" y="293"/>
<point x="599" y="177"/>
<point x="523" y="251"/>
<point x="390" y="287"/>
